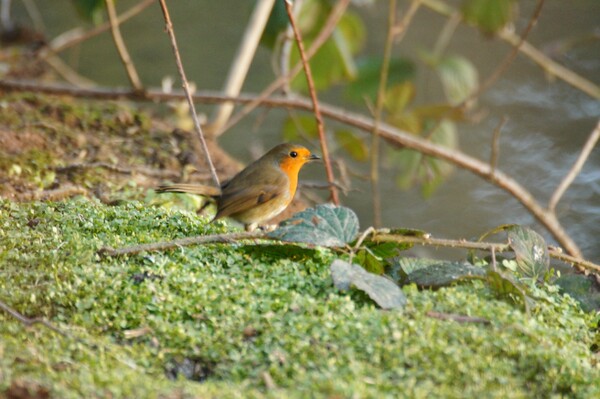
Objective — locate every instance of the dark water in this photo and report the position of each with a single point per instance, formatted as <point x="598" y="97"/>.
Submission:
<point x="548" y="121"/>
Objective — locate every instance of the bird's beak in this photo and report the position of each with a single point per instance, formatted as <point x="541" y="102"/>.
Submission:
<point x="313" y="157"/>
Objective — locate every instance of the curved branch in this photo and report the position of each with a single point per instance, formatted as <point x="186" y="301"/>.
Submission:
<point x="394" y="135"/>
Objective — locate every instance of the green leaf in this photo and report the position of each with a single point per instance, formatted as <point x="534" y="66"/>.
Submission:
<point x="303" y="126"/>
<point x="398" y="97"/>
<point x="504" y="286"/>
<point x="349" y="141"/>
<point x="369" y="261"/>
<point x="90" y="10"/>
<point x="326" y="225"/>
<point x="459" y="78"/>
<point x="531" y="251"/>
<point x="334" y="61"/>
<point x="583" y="289"/>
<point x="369" y="73"/>
<point x="416" y="168"/>
<point x="381" y="290"/>
<point x="488" y="15"/>
<point x="442" y="274"/>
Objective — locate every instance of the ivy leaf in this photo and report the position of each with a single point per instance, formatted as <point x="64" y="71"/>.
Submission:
<point x="531" y="251"/>
<point x="381" y="290"/>
<point x="326" y="225"/>
<point x="442" y="274"/>
<point x="488" y="15"/>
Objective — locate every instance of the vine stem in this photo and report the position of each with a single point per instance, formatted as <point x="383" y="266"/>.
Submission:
<point x="315" y="103"/>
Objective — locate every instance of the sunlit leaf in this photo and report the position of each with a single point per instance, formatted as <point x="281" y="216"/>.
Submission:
<point x="488" y="15"/>
<point x="353" y="144"/>
<point x="458" y="76"/>
<point x="531" y="251"/>
<point x="381" y="290"/>
<point x="326" y="225"/>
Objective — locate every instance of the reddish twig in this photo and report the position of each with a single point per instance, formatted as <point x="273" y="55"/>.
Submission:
<point x="315" y="103"/>
<point x="188" y="94"/>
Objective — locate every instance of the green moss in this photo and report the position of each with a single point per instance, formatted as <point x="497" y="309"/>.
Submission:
<point x="235" y="312"/>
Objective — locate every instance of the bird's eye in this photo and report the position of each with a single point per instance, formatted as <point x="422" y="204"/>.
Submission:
<point x="293" y="154"/>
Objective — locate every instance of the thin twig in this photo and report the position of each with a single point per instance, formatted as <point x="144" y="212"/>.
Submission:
<point x="378" y="112"/>
<point x="547" y="64"/>
<point x="31" y="321"/>
<point x="315" y="102"/>
<point x="575" y="169"/>
<point x="495" y="151"/>
<point x="188" y="94"/>
<point x="183" y="242"/>
<point x="242" y="60"/>
<point x="579" y="262"/>
<point x="328" y="28"/>
<point x="57" y="45"/>
<point x="457" y="317"/>
<point x="119" y="169"/>
<point x="391" y="133"/>
<point x="134" y="79"/>
<point x="376" y="236"/>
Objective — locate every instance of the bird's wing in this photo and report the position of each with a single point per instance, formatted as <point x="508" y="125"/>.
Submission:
<point x="249" y="196"/>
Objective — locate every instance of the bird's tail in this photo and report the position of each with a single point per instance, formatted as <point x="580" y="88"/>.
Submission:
<point x="199" y="189"/>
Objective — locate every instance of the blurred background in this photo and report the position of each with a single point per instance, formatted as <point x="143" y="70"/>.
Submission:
<point x="547" y="120"/>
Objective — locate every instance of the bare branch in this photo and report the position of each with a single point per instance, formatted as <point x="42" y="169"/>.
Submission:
<point x="496" y="146"/>
<point x="576" y="168"/>
<point x="188" y="94"/>
<point x="134" y="79"/>
<point x="242" y="60"/>
<point x="394" y="135"/>
<point x="550" y="66"/>
<point x="29" y="321"/>
<point x="457" y="317"/>
<point x="315" y="103"/>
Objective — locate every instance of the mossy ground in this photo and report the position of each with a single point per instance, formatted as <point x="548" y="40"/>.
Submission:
<point x="243" y="322"/>
<point x="237" y="320"/>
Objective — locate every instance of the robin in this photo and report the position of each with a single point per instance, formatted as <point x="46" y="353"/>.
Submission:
<point x="259" y="192"/>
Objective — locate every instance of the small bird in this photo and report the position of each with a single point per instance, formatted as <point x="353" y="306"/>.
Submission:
<point x="259" y="192"/>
